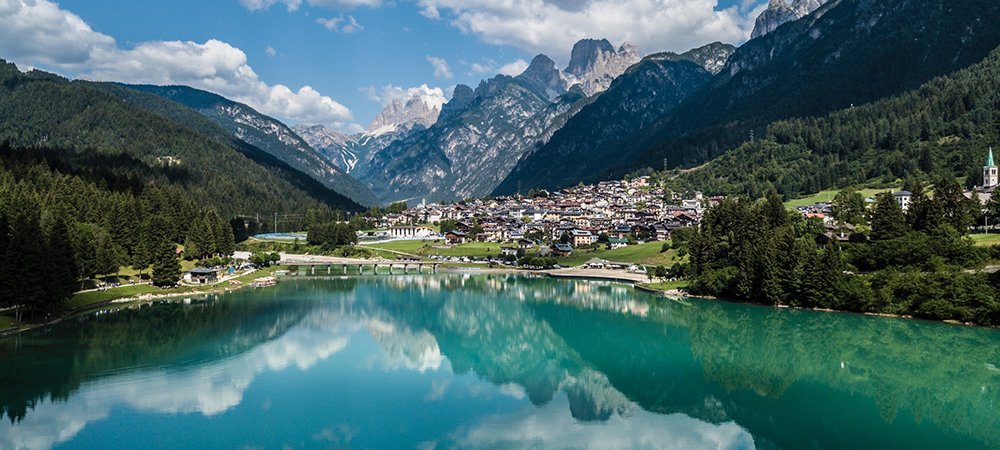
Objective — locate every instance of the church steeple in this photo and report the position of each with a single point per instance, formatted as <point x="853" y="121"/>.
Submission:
<point x="991" y="175"/>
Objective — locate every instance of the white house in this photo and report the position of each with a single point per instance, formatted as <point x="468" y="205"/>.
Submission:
<point x="408" y="232"/>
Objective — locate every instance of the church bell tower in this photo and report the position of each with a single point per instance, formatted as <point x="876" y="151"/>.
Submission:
<point x="991" y="175"/>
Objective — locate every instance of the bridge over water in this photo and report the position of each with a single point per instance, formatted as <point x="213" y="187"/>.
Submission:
<point x="330" y="265"/>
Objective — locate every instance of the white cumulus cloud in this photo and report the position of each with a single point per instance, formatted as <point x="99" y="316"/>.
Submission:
<point x="434" y="97"/>
<point x="513" y="69"/>
<point x="342" y="24"/>
<point x="553" y="26"/>
<point x="441" y="69"/>
<point x="489" y="67"/>
<point x="37" y="33"/>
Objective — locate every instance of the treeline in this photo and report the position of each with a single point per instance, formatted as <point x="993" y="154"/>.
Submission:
<point x="57" y="230"/>
<point x="327" y="229"/>
<point x="916" y="263"/>
<point x="942" y="128"/>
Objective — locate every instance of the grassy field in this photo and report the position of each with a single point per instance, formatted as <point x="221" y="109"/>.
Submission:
<point x="640" y="254"/>
<point x="6" y="322"/>
<point x="667" y="286"/>
<point x="89" y="298"/>
<point x="413" y="247"/>
<point x="648" y="254"/>
<point x="825" y="196"/>
<point x="427" y="248"/>
<point x="986" y="240"/>
<point x="471" y="250"/>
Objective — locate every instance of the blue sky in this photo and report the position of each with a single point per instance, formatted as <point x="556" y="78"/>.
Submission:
<point x="264" y="52"/>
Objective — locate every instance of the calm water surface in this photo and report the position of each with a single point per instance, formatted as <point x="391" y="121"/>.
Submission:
<point x="494" y="361"/>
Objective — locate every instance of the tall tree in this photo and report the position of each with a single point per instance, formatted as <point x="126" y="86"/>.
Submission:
<point x="886" y="218"/>
<point x="166" y="268"/>
<point x="849" y="207"/>
<point x="958" y="212"/>
<point x="61" y="263"/>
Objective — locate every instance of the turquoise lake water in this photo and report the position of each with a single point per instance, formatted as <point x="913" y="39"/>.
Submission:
<point x="494" y="361"/>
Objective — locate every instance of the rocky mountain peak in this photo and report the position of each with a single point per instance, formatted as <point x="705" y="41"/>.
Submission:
<point x="712" y="57"/>
<point x="585" y="53"/>
<point x="543" y="77"/>
<point x="594" y="64"/>
<point x="779" y="12"/>
<point x="422" y="107"/>
<point x="462" y="96"/>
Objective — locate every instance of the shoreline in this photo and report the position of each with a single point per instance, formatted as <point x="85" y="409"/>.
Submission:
<point x="567" y="274"/>
<point x="220" y="287"/>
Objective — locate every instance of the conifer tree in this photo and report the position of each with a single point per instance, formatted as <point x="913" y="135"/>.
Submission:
<point x="61" y="268"/>
<point x="166" y="268"/>
<point x="887" y="219"/>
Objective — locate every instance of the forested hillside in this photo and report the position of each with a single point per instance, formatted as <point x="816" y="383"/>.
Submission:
<point x="191" y="119"/>
<point x="90" y="184"/>
<point x="942" y="128"/>
<point x="643" y="93"/>
<point x="90" y="128"/>
<point x="849" y="52"/>
<point x="263" y="132"/>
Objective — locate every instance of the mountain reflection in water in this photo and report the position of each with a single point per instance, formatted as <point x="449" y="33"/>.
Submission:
<point x="498" y="361"/>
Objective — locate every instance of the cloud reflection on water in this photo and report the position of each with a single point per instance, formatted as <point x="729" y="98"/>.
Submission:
<point x="209" y="389"/>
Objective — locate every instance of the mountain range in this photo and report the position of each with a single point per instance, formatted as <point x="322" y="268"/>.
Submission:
<point x="482" y="133"/>
<point x="846" y="52"/>
<point x="125" y="139"/>
<point x="609" y="112"/>
<point x="268" y="134"/>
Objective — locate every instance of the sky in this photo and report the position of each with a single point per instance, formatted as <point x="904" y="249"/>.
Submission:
<point x="337" y="62"/>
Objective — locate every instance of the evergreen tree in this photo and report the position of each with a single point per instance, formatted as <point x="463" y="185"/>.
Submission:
<point x="7" y="294"/>
<point x="61" y="271"/>
<point x="109" y="256"/>
<point x="775" y="213"/>
<point x="166" y="268"/>
<point x="958" y="212"/>
<point x="200" y="240"/>
<point x="924" y="214"/>
<point x="27" y="252"/>
<point x="239" y="229"/>
<point x="886" y="218"/>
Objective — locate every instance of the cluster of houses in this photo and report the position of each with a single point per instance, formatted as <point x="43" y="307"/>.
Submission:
<point x="622" y="210"/>
<point x="991" y="181"/>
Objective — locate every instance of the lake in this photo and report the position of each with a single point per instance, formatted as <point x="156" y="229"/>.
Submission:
<point x="493" y="361"/>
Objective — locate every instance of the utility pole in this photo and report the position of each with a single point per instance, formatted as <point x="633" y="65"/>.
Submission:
<point x="275" y="222"/>
<point x="664" y="165"/>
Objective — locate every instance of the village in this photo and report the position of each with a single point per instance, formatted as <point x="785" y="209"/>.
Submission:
<point x="612" y="214"/>
<point x="609" y="215"/>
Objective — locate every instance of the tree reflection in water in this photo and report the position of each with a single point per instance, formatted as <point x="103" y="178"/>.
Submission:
<point x="605" y="352"/>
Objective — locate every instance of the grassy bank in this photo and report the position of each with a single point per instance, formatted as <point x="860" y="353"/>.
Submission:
<point x="667" y="285"/>
<point x="986" y="240"/>
<point x="90" y="298"/>
<point x="439" y="248"/>
<point x="828" y="195"/>
<point x="648" y="254"/>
